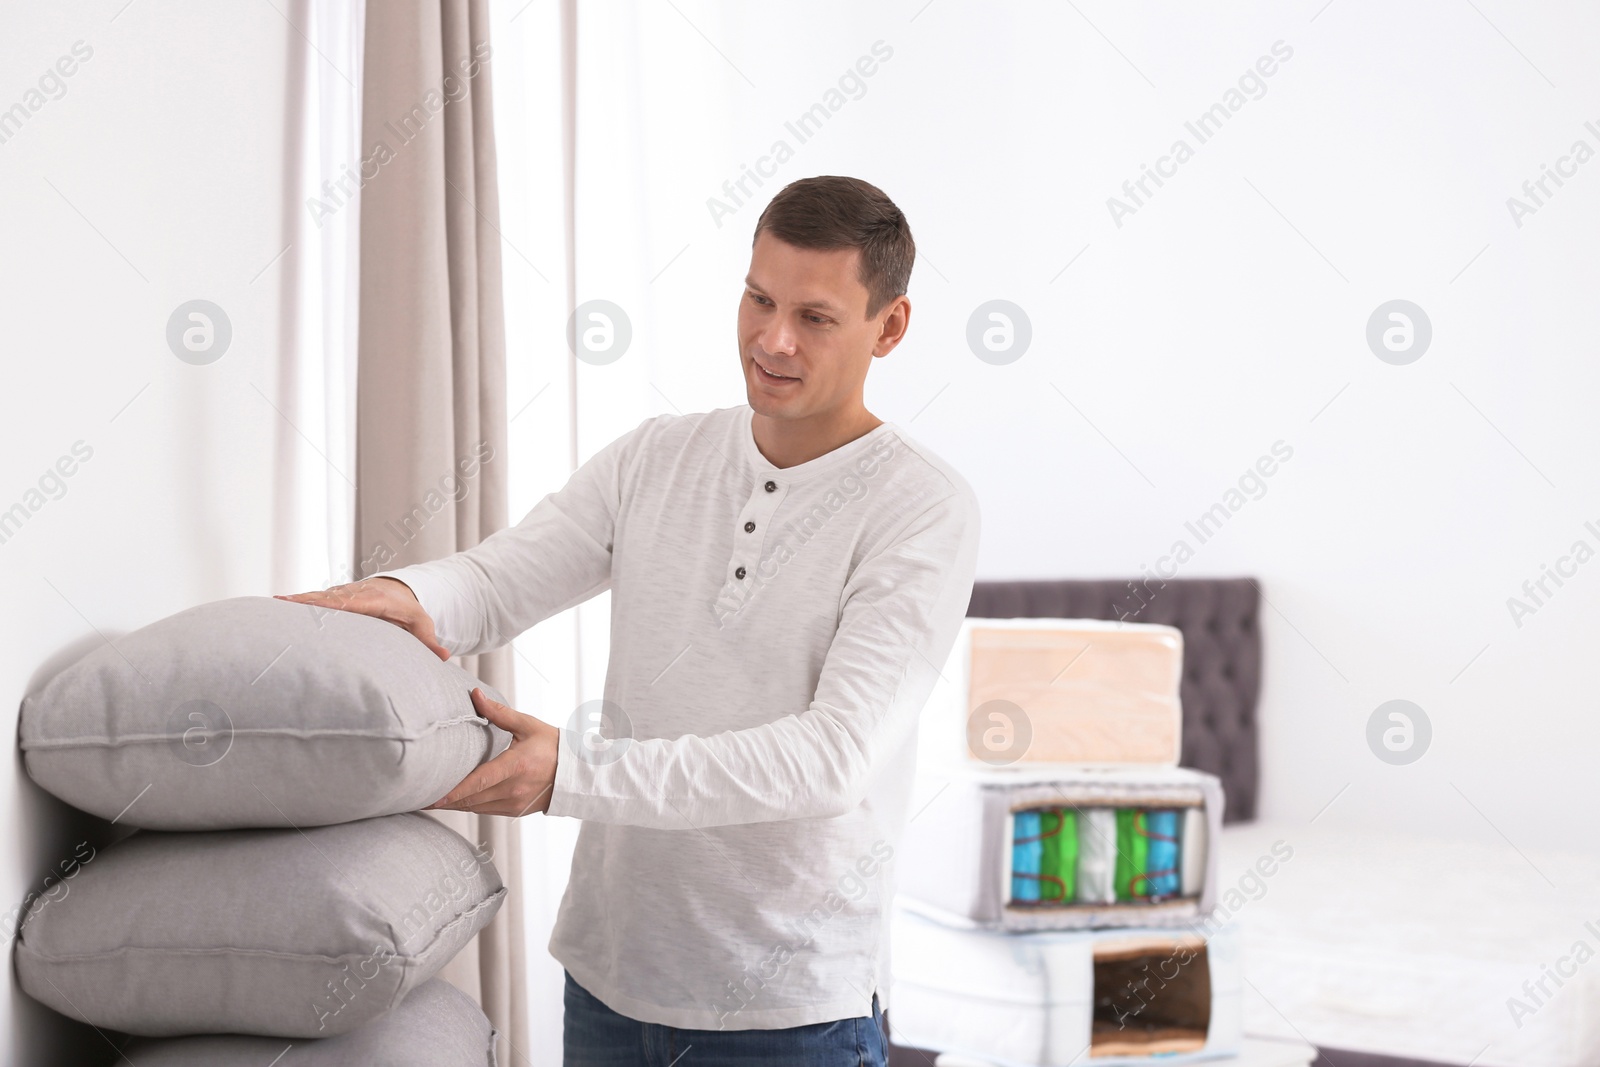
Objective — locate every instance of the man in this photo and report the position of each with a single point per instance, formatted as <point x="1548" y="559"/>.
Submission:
<point x="787" y="578"/>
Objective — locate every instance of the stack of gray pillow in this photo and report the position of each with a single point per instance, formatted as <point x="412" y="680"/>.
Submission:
<point x="283" y="895"/>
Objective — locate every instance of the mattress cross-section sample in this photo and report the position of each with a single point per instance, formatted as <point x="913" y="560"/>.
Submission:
<point x="1060" y="998"/>
<point x="1065" y="849"/>
<point x="1079" y="691"/>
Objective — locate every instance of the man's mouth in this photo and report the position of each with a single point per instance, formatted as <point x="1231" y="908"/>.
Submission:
<point x="771" y="377"/>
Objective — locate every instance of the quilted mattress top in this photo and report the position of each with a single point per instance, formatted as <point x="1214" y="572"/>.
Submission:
<point x="1461" y="952"/>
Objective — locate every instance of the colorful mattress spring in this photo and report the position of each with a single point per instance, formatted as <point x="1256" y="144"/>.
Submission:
<point x="964" y="861"/>
<point x="1064" y="856"/>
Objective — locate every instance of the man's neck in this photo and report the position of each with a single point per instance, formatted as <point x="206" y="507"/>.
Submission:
<point x="791" y="442"/>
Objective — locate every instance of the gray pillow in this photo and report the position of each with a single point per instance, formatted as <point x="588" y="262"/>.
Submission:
<point x="282" y="933"/>
<point x="256" y="712"/>
<point x="437" y="1025"/>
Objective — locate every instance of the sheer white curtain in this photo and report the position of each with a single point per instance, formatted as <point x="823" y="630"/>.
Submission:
<point x="315" y="490"/>
<point x="532" y="132"/>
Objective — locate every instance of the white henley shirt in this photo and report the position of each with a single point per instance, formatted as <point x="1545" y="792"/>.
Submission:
<point x="775" y="633"/>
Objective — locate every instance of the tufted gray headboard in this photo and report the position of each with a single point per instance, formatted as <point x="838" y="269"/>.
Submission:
<point x="1221" y="657"/>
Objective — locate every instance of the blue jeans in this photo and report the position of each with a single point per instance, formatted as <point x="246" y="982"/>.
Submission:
<point x="595" y="1036"/>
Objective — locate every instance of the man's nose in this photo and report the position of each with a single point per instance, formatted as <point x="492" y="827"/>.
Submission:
<point x="778" y="337"/>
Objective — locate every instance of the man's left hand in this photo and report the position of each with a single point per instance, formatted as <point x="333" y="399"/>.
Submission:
<point x="517" y="781"/>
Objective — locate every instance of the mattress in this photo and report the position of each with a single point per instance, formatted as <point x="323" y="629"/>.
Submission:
<point x="1060" y="998"/>
<point x="1078" y="691"/>
<point x="1057" y="849"/>
<point x="1448" y="951"/>
<point x="1254" y="1052"/>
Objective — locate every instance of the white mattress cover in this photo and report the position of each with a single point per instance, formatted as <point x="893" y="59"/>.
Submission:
<point x="1411" y="946"/>
<point x="1255" y="1052"/>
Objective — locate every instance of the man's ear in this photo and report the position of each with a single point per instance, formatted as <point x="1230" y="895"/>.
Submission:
<point x="896" y="320"/>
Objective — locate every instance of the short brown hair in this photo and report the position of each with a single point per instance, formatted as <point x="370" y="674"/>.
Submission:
<point x="829" y="212"/>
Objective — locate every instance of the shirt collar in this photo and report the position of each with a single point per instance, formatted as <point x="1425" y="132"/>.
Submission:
<point x="744" y="428"/>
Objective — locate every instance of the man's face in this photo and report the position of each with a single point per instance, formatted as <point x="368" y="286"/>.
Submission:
<point x="803" y="316"/>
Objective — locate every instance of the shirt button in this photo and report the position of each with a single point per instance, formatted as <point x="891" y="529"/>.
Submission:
<point x="739" y="573"/>
<point x="749" y="527"/>
<point x="772" y="487"/>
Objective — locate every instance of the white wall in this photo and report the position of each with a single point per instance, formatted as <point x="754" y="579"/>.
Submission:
<point x="1226" y="314"/>
<point x="155" y="178"/>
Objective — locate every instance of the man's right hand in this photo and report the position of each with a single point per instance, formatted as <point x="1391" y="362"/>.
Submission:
<point x="389" y="599"/>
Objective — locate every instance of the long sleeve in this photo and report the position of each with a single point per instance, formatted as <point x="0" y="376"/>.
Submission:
<point x="901" y="610"/>
<point x="558" y="556"/>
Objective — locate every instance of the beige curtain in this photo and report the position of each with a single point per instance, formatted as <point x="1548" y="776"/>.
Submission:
<point x="430" y="400"/>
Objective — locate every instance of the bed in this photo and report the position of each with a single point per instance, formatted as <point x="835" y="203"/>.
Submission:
<point x="1384" y="949"/>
